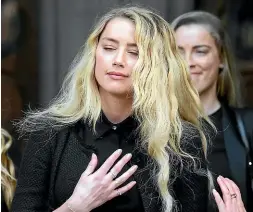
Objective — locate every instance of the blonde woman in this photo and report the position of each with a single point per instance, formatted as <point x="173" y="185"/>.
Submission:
<point x="203" y="42"/>
<point x="8" y="181"/>
<point x="120" y="136"/>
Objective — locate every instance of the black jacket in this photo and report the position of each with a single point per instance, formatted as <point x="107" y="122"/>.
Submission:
<point x="234" y="146"/>
<point x="44" y="151"/>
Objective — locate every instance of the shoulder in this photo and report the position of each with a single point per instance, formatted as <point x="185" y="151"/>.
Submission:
<point x="191" y="184"/>
<point x="192" y="157"/>
<point x="51" y="137"/>
<point x="244" y="111"/>
<point x="246" y="114"/>
<point x="193" y="145"/>
<point x="191" y="140"/>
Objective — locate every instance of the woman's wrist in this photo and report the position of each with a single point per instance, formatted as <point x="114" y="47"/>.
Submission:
<point x="71" y="205"/>
<point x="65" y="208"/>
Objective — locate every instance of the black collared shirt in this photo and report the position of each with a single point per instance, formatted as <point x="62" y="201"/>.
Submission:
<point x="108" y="138"/>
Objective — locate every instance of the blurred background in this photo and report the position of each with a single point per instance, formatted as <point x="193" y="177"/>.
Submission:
<point x="40" y="38"/>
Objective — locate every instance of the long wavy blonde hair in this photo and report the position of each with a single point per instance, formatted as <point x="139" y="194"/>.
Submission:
<point x="8" y="181"/>
<point x="164" y="99"/>
<point x="228" y="83"/>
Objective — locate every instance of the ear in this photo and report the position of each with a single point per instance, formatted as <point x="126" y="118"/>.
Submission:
<point x="221" y="66"/>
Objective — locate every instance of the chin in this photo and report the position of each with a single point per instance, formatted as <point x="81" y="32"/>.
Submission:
<point x="117" y="91"/>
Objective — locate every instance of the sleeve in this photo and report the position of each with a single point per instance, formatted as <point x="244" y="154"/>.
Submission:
<point x="191" y="186"/>
<point x="32" y="192"/>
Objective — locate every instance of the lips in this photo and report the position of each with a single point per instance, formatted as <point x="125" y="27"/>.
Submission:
<point x="118" y="74"/>
<point x="195" y="73"/>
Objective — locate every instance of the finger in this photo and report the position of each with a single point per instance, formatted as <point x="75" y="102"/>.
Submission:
<point x="238" y="196"/>
<point x="118" y="167"/>
<point x="91" y="166"/>
<point x="219" y="201"/>
<point x="231" y="191"/>
<point x="124" y="177"/>
<point x="234" y="205"/>
<point x="109" y="162"/>
<point x="225" y="192"/>
<point x="122" y="190"/>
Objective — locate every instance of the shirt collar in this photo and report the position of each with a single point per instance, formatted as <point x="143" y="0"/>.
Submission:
<point x="103" y="126"/>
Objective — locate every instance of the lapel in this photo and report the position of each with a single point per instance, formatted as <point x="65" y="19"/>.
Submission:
<point x="149" y="194"/>
<point x="235" y="151"/>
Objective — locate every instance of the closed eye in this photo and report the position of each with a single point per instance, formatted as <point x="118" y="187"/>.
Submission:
<point x="134" y="53"/>
<point x="201" y="52"/>
<point x="109" y="48"/>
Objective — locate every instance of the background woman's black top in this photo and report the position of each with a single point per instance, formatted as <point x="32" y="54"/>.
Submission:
<point x="227" y="155"/>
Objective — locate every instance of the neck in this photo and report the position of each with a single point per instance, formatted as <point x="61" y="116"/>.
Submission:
<point x="210" y="101"/>
<point x="116" y="108"/>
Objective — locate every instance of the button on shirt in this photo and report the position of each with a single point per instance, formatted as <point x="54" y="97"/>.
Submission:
<point x="108" y="138"/>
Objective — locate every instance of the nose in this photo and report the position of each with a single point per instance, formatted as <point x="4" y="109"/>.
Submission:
<point x="119" y="59"/>
<point x="190" y="60"/>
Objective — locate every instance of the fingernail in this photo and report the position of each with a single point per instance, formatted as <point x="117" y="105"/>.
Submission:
<point x="119" y="151"/>
<point x="92" y="156"/>
<point x="129" y="155"/>
<point x="220" y="177"/>
<point x="134" y="167"/>
<point x="214" y="191"/>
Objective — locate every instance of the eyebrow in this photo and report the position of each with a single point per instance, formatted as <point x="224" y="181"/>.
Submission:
<point x="201" y="46"/>
<point x="197" y="46"/>
<point x="115" y="41"/>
